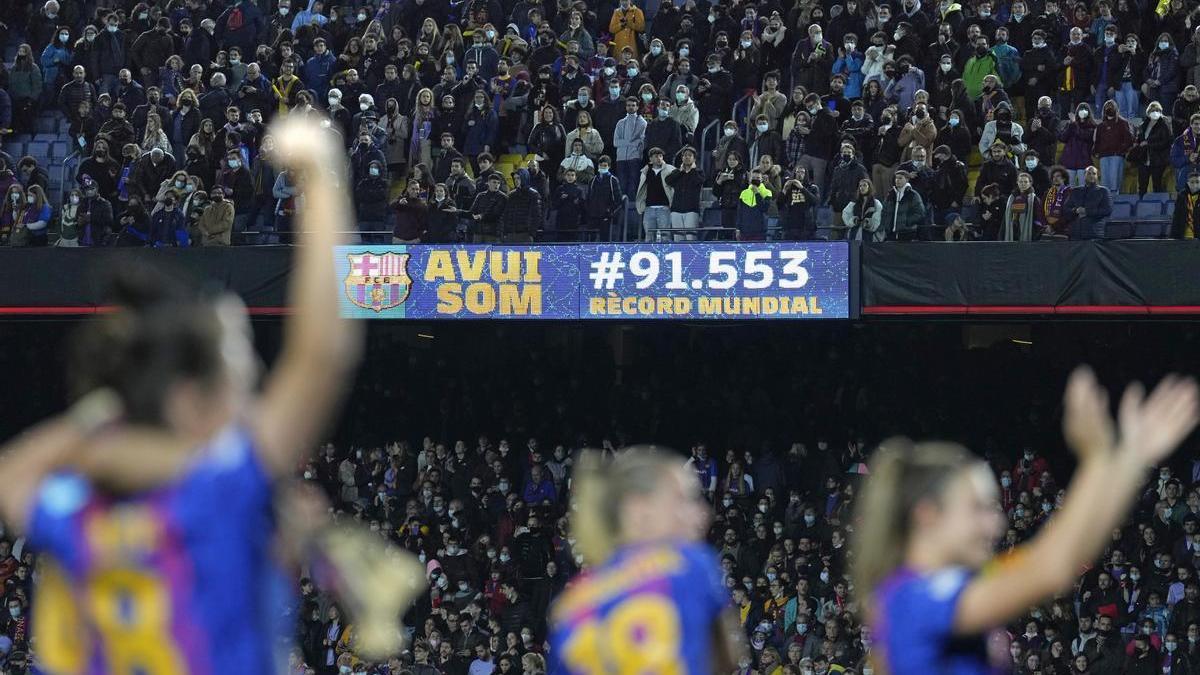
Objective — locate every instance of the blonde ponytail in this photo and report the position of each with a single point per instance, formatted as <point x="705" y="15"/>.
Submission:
<point x="901" y="475"/>
<point x="599" y="486"/>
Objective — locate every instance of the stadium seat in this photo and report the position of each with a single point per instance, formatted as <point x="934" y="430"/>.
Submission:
<point x="1169" y="212"/>
<point x="711" y="218"/>
<point x="1156" y="197"/>
<point x="39" y="150"/>
<point x="509" y="159"/>
<point x="1148" y="209"/>
<point x="1151" y="229"/>
<point x="1122" y="210"/>
<point x="1118" y="229"/>
<point x="1125" y="198"/>
<point x="60" y="150"/>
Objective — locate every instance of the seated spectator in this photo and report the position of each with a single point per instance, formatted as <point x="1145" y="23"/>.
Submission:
<point x="957" y="229"/>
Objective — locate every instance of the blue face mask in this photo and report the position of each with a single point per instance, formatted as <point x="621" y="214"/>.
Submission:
<point x="603" y="172"/>
<point x="953" y="121"/>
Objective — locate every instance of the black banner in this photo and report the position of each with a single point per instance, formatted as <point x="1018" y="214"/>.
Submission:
<point x="75" y="280"/>
<point x="1105" y="277"/>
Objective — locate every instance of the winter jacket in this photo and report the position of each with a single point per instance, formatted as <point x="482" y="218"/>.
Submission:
<point x="1098" y="207"/>
<point x="903" y="212"/>
<point x="753" y="203"/>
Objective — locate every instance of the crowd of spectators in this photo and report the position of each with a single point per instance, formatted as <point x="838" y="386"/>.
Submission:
<point x="518" y="120"/>
<point x="778" y="447"/>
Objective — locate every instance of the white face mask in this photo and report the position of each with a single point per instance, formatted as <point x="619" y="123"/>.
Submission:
<point x="762" y="128"/>
<point x="1164" y="45"/>
<point x="1083" y="114"/>
<point x="1030" y="163"/>
<point x="945" y="67"/>
<point x="746" y="44"/>
<point x="1155" y="115"/>
<point x="364" y="106"/>
<point x="730" y="132"/>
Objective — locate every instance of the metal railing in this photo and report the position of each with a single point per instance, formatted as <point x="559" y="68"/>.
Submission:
<point x="705" y="157"/>
<point x="733" y="114"/>
<point x="70" y="163"/>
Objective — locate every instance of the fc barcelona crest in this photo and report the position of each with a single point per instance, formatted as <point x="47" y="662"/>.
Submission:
<point x="378" y="282"/>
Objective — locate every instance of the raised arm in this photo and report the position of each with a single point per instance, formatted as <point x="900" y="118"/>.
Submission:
<point x="1109" y="476"/>
<point x="320" y="348"/>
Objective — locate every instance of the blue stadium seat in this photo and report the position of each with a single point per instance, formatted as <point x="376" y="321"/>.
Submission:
<point x="1148" y="209"/>
<point x="39" y="150"/>
<point x="1118" y="229"/>
<point x="1170" y="210"/>
<point x="1156" y="197"/>
<point x="824" y="215"/>
<point x="1122" y="210"/>
<point x="59" y="149"/>
<point x="45" y="125"/>
<point x="1125" y="198"/>
<point x="1151" y="229"/>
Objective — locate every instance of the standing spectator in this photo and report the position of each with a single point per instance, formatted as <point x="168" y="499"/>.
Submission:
<point x="1162" y="72"/>
<point x="686" y="184"/>
<point x="626" y="26"/>
<point x="25" y="90"/>
<point x="32" y="228"/>
<point x="593" y="143"/>
<point x="1023" y="217"/>
<point x="487" y="210"/>
<point x="863" y="214"/>
<point x="240" y="25"/>
<point x="886" y="154"/>
<point x="547" y="138"/>
<point x="1041" y="65"/>
<point x="410" y="214"/>
<point x="981" y="64"/>
<point x="1186" y="220"/>
<point x="997" y="169"/>
<point x="168" y="225"/>
<point x="654" y="195"/>
<point x="604" y="199"/>
<point x="55" y="57"/>
<point x="235" y="180"/>
<point x="1054" y="202"/>
<point x="1088" y="207"/>
<point x="150" y="51"/>
<point x="370" y="201"/>
<point x="903" y="211"/>
<point x="798" y="208"/>
<point x="727" y="188"/>
<point x="1078" y="137"/>
<point x="482" y="126"/>
<point x="752" y="209"/>
<point x="523" y="211"/>
<point x="216" y="220"/>
<point x="767" y="142"/>
<point x="1185" y="152"/>
<point x="1153" y="150"/>
<point x="110" y="55"/>
<point x="1114" y="138"/>
<point x="75" y="92"/>
<point x="1076" y="73"/>
<point x="843" y="184"/>
<point x="629" y="140"/>
<point x="567" y="203"/>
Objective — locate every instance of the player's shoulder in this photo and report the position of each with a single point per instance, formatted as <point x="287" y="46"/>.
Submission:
<point x="936" y="586"/>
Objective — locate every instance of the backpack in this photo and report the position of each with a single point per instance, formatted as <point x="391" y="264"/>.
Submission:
<point x="236" y="19"/>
